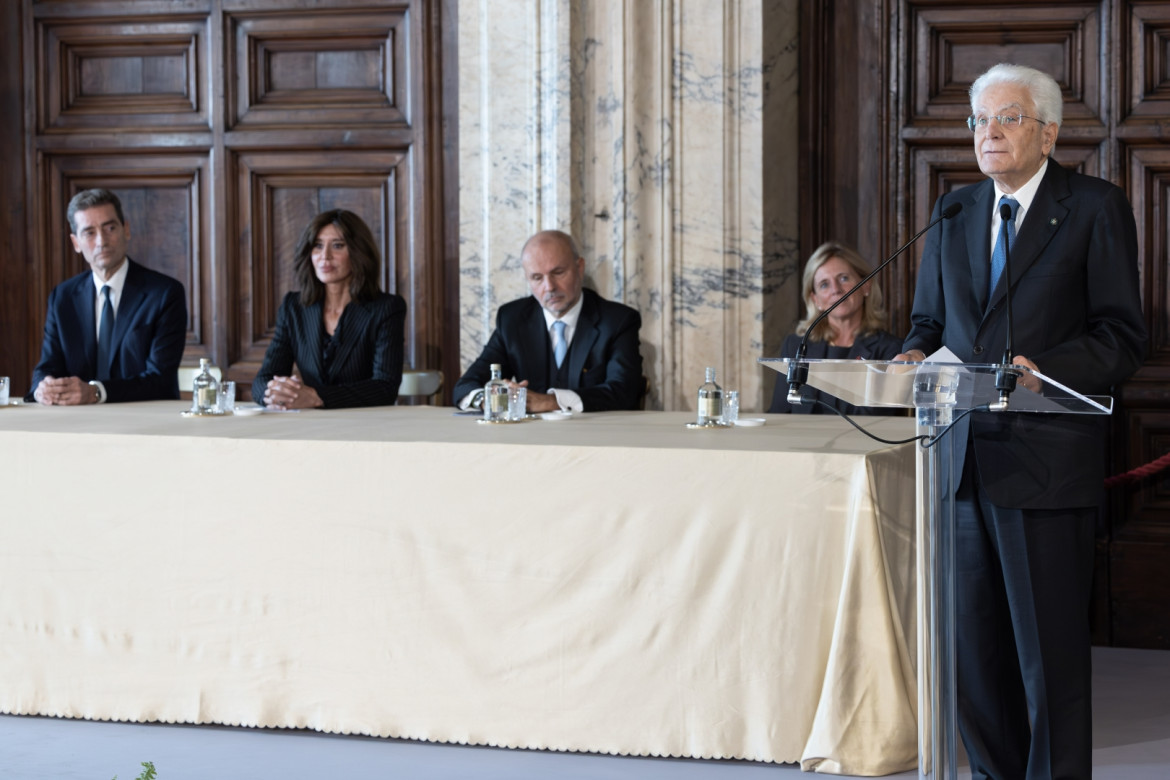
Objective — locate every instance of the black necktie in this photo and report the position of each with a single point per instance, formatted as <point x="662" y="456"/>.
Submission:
<point x="105" y="336"/>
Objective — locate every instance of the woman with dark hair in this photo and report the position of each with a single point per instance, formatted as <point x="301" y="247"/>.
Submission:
<point x="343" y="333"/>
<point x="852" y="331"/>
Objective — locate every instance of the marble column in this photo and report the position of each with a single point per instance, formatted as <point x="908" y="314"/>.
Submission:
<point x="663" y="136"/>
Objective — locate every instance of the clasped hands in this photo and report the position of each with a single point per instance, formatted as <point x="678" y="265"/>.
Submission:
<point x="537" y="402"/>
<point x="1026" y="380"/>
<point x="66" y="391"/>
<point x="288" y="392"/>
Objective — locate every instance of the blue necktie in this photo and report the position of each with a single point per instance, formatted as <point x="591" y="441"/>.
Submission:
<point x="105" y="336"/>
<point x="1007" y="234"/>
<point x="560" y="347"/>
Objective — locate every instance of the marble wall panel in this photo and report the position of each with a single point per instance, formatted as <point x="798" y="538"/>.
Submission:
<point x="663" y="136"/>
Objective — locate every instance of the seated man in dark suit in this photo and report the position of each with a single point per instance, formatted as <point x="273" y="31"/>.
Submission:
<point x="572" y="349"/>
<point x="115" y="332"/>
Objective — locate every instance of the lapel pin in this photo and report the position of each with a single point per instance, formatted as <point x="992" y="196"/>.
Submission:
<point x="1054" y="222"/>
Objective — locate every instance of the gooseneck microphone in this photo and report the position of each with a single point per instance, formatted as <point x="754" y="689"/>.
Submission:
<point x="797" y="368"/>
<point x="1006" y="374"/>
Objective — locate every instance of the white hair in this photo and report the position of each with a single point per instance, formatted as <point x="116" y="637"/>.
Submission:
<point x="1042" y="88"/>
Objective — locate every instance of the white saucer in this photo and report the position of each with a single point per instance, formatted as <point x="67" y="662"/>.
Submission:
<point x="556" y="416"/>
<point x="248" y="411"/>
<point x="750" y="422"/>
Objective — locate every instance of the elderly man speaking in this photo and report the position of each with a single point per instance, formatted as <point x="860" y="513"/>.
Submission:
<point x="1027" y="486"/>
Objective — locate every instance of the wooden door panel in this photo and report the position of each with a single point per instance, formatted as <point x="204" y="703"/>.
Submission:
<point x="1143" y="65"/>
<point x="951" y="45"/>
<point x="119" y="74"/>
<point x="279" y="192"/>
<point x="312" y="67"/>
<point x="165" y="203"/>
<point x="1149" y="192"/>
<point x="226" y="125"/>
<point x="1140" y="591"/>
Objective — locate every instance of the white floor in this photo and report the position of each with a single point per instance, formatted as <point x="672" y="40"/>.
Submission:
<point x="1131" y="741"/>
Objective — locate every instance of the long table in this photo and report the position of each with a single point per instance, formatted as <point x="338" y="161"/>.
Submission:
<point x="612" y="583"/>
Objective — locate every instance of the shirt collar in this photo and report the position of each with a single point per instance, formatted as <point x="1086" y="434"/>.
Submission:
<point x="1024" y="195"/>
<point x="569" y="318"/>
<point x="116" y="282"/>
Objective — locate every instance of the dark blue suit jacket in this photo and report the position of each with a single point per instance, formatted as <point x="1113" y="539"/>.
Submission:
<point x="366" y="369"/>
<point x="1077" y="315"/>
<point x="150" y="332"/>
<point x="605" y="364"/>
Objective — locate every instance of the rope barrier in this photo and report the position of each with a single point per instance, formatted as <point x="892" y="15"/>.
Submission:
<point x="1141" y="472"/>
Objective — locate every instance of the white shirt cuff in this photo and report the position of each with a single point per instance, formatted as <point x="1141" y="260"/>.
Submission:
<point x="568" y="400"/>
<point x="101" y="390"/>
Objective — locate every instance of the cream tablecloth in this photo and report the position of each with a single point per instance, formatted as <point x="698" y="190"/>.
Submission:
<point x="612" y="583"/>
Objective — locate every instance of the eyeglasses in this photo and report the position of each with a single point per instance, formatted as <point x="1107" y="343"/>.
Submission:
<point x="1006" y="121"/>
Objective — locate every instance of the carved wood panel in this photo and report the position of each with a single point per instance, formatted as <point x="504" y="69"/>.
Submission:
<point x="278" y="194"/>
<point x="1148" y="518"/>
<point x="1139" y="593"/>
<point x="1143" y="66"/>
<point x="19" y="348"/>
<point x="1149" y="192"/>
<point x="164" y="199"/>
<point x="336" y="67"/>
<point x="952" y="44"/>
<point x="226" y="125"/>
<point x="119" y="73"/>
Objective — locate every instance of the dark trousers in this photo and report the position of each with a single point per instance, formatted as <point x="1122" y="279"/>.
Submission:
<point x="1024" y="670"/>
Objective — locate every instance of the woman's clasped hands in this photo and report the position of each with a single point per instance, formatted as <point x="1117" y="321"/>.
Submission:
<point x="288" y="392"/>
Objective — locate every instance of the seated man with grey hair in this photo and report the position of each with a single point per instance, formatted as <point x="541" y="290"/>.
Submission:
<point x="116" y="331"/>
<point x="572" y="349"/>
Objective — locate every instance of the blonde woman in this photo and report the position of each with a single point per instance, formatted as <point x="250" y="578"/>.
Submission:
<point x="852" y="331"/>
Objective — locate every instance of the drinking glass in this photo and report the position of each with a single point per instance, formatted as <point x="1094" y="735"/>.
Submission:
<point x="227" y="397"/>
<point x="4" y="383"/>
<point x="517" y="401"/>
<point x="730" y="407"/>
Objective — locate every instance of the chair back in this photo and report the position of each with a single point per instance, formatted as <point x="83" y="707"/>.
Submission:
<point x="420" y="386"/>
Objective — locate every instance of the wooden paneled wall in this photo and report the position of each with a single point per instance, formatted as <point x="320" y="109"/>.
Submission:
<point x="884" y="97"/>
<point x="225" y="126"/>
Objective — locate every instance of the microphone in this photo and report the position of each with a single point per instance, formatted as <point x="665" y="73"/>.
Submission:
<point x="797" y="369"/>
<point x="1005" y="373"/>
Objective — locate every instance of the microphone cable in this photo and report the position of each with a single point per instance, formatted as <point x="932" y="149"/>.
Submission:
<point x="926" y="441"/>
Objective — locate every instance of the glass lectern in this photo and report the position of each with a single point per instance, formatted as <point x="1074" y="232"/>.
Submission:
<point x="939" y="392"/>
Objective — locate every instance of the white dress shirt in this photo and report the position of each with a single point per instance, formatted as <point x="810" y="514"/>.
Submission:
<point x="1024" y="196"/>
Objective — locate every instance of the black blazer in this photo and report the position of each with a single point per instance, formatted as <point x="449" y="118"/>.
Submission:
<point x="367" y="366"/>
<point x="876" y="346"/>
<point x="605" y="365"/>
<point x="1077" y="314"/>
<point x="150" y="332"/>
